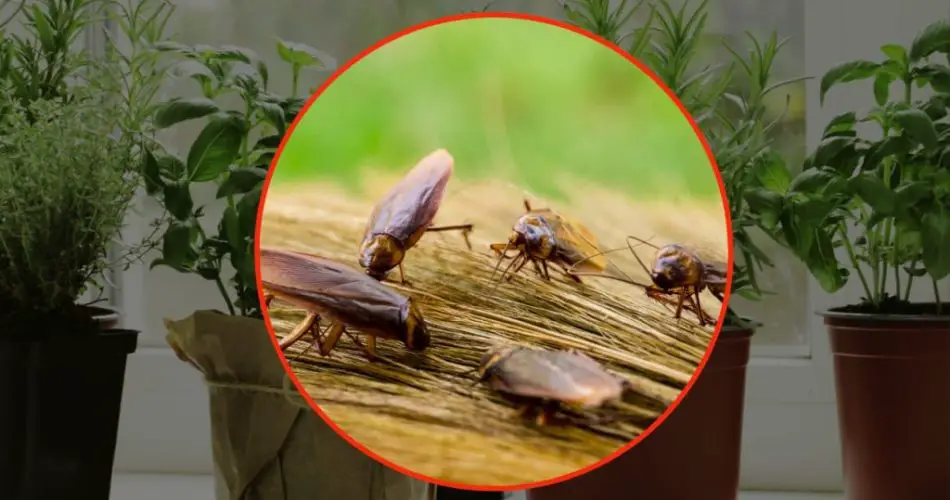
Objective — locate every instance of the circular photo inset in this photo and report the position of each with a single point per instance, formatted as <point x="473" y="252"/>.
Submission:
<point x="493" y="252"/>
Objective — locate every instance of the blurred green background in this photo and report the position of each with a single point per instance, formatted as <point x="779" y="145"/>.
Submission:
<point x="544" y="101"/>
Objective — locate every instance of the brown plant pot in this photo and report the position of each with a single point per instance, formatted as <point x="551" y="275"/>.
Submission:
<point x="693" y="454"/>
<point x="892" y="377"/>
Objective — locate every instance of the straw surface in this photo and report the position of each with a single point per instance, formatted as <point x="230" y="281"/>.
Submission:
<point x="421" y="411"/>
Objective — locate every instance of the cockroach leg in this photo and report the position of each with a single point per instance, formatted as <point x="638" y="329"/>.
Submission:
<point x="332" y="337"/>
<point x="369" y="348"/>
<point x="537" y="267"/>
<point x="464" y="228"/>
<point x="699" y="309"/>
<point x="299" y="330"/>
<point x="402" y="276"/>
<point x="527" y="205"/>
<point x="268" y="298"/>
<point x="543" y="416"/>
<point x="519" y="266"/>
<point x="524" y="410"/>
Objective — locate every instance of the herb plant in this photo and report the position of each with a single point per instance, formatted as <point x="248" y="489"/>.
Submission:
<point x="233" y="151"/>
<point x="892" y="185"/>
<point x="727" y="101"/>
<point x="66" y="181"/>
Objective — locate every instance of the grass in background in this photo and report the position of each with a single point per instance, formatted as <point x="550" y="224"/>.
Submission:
<point x="529" y="102"/>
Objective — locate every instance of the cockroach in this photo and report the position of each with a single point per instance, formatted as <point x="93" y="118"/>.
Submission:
<point x="678" y="271"/>
<point x="545" y="380"/>
<point x="344" y="298"/>
<point x="541" y="236"/>
<point x="404" y="214"/>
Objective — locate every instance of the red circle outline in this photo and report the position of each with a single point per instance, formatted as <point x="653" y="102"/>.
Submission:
<point x="266" y="187"/>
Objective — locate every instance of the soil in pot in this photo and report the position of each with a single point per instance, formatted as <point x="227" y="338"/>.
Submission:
<point x="892" y="378"/>
<point x="693" y="454"/>
<point x="60" y="394"/>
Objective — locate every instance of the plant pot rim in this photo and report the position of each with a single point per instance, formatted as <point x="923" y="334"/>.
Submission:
<point x="836" y="313"/>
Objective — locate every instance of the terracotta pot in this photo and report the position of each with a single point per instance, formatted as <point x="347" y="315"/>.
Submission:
<point x="892" y="377"/>
<point x="693" y="454"/>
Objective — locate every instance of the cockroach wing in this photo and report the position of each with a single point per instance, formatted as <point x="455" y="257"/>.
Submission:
<point x="331" y="287"/>
<point x="410" y="206"/>
<point x="560" y="376"/>
<point x="576" y="244"/>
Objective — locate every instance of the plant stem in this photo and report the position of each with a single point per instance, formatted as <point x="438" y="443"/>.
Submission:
<point x="887" y="238"/>
<point x="910" y="280"/>
<point x="897" y="266"/>
<point x="854" y="260"/>
<point x="224" y="293"/>
<point x="295" y="75"/>
<point x="217" y="279"/>
<point x="937" y="295"/>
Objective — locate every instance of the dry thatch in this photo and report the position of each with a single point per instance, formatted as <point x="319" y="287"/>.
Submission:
<point x="421" y="411"/>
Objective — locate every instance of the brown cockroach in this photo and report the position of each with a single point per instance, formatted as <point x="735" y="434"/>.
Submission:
<point x="541" y="236"/>
<point x="545" y="380"/>
<point x="404" y="214"/>
<point x="680" y="272"/>
<point x="341" y="296"/>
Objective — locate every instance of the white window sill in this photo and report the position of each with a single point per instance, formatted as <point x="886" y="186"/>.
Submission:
<point x="127" y="486"/>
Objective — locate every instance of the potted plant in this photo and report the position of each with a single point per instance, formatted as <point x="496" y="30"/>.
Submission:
<point x="874" y="205"/>
<point x="231" y="155"/>
<point x="708" y="421"/>
<point x="66" y="182"/>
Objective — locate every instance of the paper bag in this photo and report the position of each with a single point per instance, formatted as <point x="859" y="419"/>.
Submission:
<point x="267" y="443"/>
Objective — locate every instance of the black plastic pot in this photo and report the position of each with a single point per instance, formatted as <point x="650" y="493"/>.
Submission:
<point x="443" y="493"/>
<point x="60" y="397"/>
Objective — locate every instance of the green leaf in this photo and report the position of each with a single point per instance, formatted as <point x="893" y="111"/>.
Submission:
<point x="302" y="55"/>
<point x="823" y="264"/>
<point x="773" y="174"/>
<point x="247" y="210"/>
<point x="44" y="31"/>
<point x="178" y="200"/>
<point x="830" y="152"/>
<point x="179" y="110"/>
<point x="933" y="38"/>
<point x="874" y="192"/>
<point x="812" y="181"/>
<point x="882" y="88"/>
<point x="882" y="149"/>
<point x="766" y="204"/>
<point x="241" y="180"/>
<point x="151" y="173"/>
<point x="169" y="46"/>
<point x="235" y="53"/>
<point x="177" y="251"/>
<point x="846" y="72"/>
<point x="231" y="229"/>
<point x="895" y="53"/>
<point x="216" y="147"/>
<point x="190" y="68"/>
<point x="274" y="114"/>
<point x="840" y="124"/>
<point x="911" y="193"/>
<point x="936" y="241"/>
<point x="171" y="167"/>
<point x="918" y="125"/>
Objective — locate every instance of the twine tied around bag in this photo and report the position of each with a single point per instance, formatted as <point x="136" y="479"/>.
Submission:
<point x="287" y="389"/>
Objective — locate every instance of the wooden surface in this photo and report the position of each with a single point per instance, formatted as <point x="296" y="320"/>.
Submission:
<point x="422" y="411"/>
